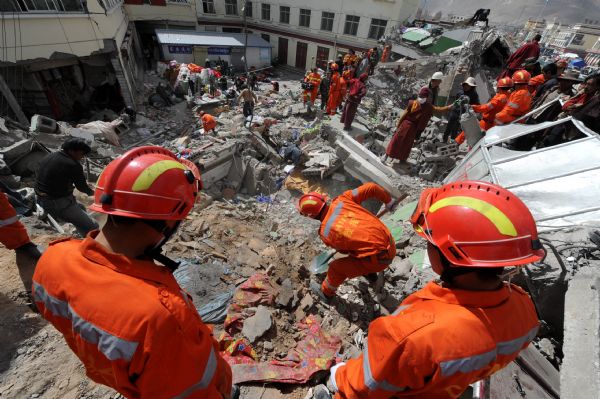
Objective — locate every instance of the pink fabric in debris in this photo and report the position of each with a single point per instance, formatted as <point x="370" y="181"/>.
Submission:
<point x="316" y="352"/>
<point x="257" y="290"/>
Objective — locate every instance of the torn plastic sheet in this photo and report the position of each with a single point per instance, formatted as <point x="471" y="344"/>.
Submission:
<point x="315" y="352"/>
<point x="215" y="311"/>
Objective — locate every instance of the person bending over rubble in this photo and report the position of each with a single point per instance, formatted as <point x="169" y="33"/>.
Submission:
<point x="465" y="327"/>
<point x="124" y="315"/>
<point x="351" y="229"/>
<point x="209" y="123"/>
<point x="56" y="176"/>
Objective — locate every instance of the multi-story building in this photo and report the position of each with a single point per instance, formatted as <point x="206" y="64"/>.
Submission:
<point x="149" y="15"/>
<point x="62" y="57"/>
<point x="311" y="33"/>
<point x="592" y="56"/>
<point x="576" y="39"/>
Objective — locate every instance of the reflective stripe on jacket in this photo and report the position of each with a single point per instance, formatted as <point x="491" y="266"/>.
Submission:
<point x="129" y="322"/>
<point x="353" y="230"/>
<point x="438" y="342"/>
<point x="12" y="232"/>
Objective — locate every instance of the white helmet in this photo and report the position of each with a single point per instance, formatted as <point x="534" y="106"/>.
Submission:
<point x="437" y="76"/>
<point x="470" y="81"/>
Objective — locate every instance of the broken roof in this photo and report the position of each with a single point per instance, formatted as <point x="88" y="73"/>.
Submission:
<point x="218" y="39"/>
<point x="559" y="184"/>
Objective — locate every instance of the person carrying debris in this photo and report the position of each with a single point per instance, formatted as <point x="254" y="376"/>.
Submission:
<point x="528" y="50"/>
<point x="123" y="314"/>
<point x="465" y="327"/>
<point x="411" y="123"/>
<point x="358" y="90"/>
<point x="56" y="177"/>
<point x="351" y="229"/>
<point x="209" y="123"/>
<point x="519" y="102"/>
<point x="311" y="84"/>
<point x="249" y="98"/>
<point x="488" y="111"/>
<point x="13" y="235"/>
<point x="334" y="90"/>
<point x="469" y="90"/>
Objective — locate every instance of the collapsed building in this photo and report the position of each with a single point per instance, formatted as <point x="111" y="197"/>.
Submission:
<point x="254" y="249"/>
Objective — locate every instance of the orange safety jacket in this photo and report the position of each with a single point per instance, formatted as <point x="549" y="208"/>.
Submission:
<point x="353" y="230"/>
<point x="535" y="82"/>
<point x="438" y="342"/>
<point x="208" y="122"/>
<point x="488" y="111"/>
<point x="12" y="232"/>
<point x="519" y="103"/>
<point x="129" y="322"/>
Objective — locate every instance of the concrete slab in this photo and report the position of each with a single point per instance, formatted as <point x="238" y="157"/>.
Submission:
<point x="580" y="371"/>
<point x="15" y="151"/>
<point x="357" y="129"/>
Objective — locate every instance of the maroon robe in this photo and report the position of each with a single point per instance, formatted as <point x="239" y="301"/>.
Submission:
<point x="413" y="121"/>
<point x="357" y="91"/>
<point x="514" y="62"/>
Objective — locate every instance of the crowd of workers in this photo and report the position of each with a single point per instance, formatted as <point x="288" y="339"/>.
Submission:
<point x="113" y="296"/>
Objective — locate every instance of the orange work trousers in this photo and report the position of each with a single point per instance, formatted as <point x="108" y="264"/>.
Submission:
<point x="349" y="267"/>
<point x="312" y="94"/>
<point x="333" y="102"/>
<point x="12" y="232"/>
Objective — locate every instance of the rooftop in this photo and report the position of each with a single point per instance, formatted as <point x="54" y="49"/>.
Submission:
<point x="217" y="39"/>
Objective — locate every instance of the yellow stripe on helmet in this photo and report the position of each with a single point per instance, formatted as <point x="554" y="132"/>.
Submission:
<point x="493" y="214"/>
<point x="308" y="202"/>
<point x="149" y="175"/>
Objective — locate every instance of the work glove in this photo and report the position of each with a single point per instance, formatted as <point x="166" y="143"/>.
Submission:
<point x="391" y="206"/>
<point x="331" y="384"/>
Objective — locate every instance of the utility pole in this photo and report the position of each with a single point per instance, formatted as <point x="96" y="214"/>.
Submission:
<point x="244" y="5"/>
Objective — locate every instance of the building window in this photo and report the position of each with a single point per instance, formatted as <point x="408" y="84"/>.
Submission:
<point x="266" y="37"/>
<point x="208" y="6"/>
<point x="248" y="8"/>
<point x="327" y="21"/>
<point x="377" y="28"/>
<point x="108" y="4"/>
<point x="284" y="14"/>
<point x="351" y="25"/>
<point x="49" y="5"/>
<point x="577" y="39"/>
<point x="231" y="7"/>
<point x="304" y="17"/>
<point x="265" y="12"/>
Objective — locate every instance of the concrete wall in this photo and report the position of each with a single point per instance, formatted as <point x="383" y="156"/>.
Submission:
<point x="180" y="13"/>
<point x="40" y="35"/>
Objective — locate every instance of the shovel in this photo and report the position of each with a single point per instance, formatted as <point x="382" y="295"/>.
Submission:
<point x="320" y="263"/>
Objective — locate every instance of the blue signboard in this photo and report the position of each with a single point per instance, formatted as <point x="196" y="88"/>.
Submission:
<point x="219" y="50"/>
<point x="180" y="49"/>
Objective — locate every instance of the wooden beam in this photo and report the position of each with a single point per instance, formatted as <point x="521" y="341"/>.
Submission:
<point x="12" y="101"/>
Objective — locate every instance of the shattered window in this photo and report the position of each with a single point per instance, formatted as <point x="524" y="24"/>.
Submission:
<point x="327" y="21"/>
<point x="248" y="8"/>
<point x="284" y="14"/>
<point x="231" y="7"/>
<point x="304" y="17"/>
<point x="377" y="28"/>
<point x="266" y="12"/>
<point x="351" y="25"/>
<point x="208" y="6"/>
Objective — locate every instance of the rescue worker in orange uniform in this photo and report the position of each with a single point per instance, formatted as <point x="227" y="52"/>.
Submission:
<point x="535" y="82"/>
<point x="488" y="111"/>
<point x="351" y="229"/>
<point x="386" y="53"/>
<point x="13" y="235"/>
<point x="469" y="325"/>
<point x="519" y="102"/>
<point x="209" y="123"/>
<point x="124" y="315"/>
<point x="334" y="91"/>
<point x="314" y="79"/>
<point x="344" y="79"/>
<point x="350" y="59"/>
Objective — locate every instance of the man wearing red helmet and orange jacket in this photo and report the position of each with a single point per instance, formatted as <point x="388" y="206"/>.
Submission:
<point x="519" y="102"/>
<point x="125" y="316"/>
<point x="351" y="229"/>
<point x="465" y="327"/>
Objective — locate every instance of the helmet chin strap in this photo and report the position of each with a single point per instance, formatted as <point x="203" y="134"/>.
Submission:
<point x="156" y="251"/>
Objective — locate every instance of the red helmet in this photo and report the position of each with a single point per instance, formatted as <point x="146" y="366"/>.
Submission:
<point x="147" y="183"/>
<point x="521" y="77"/>
<point x="334" y="67"/>
<point x="477" y="224"/>
<point x="505" y="83"/>
<point x="312" y="204"/>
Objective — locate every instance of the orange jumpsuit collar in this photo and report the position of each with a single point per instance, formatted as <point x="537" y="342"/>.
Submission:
<point x="481" y="299"/>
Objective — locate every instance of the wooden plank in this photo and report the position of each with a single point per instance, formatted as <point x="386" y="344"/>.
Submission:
<point x="12" y="101"/>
